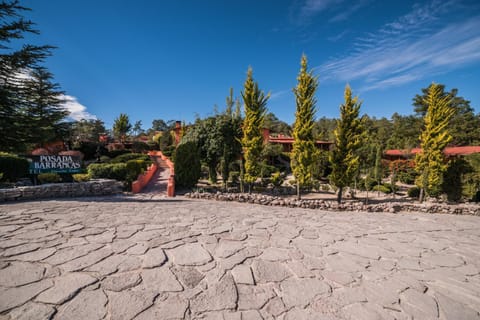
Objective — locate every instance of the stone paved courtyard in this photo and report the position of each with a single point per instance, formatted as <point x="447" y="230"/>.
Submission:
<point x="155" y="258"/>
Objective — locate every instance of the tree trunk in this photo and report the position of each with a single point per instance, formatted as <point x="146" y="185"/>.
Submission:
<point x="420" y="198"/>
<point x="339" y="195"/>
<point x="298" y="191"/>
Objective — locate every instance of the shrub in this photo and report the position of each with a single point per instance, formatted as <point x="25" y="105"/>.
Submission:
<point x="187" y="165"/>
<point x="408" y="176"/>
<point x="134" y="168"/>
<point x="234" y="176"/>
<point x="49" y="177"/>
<point x="81" y="177"/>
<point x="413" y="192"/>
<point x="12" y="167"/>
<point x="277" y="179"/>
<point x="267" y="170"/>
<point x="130" y="156"/>
<point x="115" y="153"/>
<point x="117" y="171"/>
<point x="383" y="188"/>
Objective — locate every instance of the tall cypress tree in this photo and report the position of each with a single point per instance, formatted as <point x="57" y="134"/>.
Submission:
<point x="304" y="153"/>
<point x="255" y="102"/>
<point x="431" y="162"/>
<point x="348" y="138"/>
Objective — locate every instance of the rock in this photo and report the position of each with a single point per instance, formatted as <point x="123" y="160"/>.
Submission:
<point x="251" y="315"/>
<point x="32" y="310"/>
<point x="227" y="248"/>
<point x="275" y="307"/>
<point x="452" y="309"/>
<point x="86" y="305"/>
<point x="269" y="271"/>
<point x="20" y="273"/>
<point x="14" y="297"/>
<point x="129" y="303"/>
<point x="160" y="279"/>
<point x="253" y="297"/>
<point x="188" y="276"/>
<point x="190" y="254"/>
<point x="243" y="274"/>
<point x="154" y="258"/>
<point x="221" y="296"/>
<point x="37" y="255"/>
<point x="66" y="287"/>
<point x="87" y="260"/>
<point x="121" y="281"/>
<point x="418" y="305"/>
<point x="300" y="292"/>
<point x="171" y="308"/>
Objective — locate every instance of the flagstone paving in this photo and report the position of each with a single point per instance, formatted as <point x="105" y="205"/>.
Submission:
<point x="157" y="258"/>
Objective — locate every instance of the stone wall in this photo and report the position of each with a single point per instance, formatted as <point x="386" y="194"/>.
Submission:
<point x="62" y="190"/>
<point x="349" y="205"/>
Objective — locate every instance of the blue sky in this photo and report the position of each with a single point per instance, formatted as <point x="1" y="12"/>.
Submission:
<point x="177" y="59"/>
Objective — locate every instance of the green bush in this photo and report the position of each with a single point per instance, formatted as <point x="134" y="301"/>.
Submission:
<point x="234" y="176"/>
<point x="277" y="179"/>
<point x="117" y="171"/>
<point x="267" y="170"/>
<point x="408" y="176"/>
<point x="383" y="188"/>
<point x="413" y="192"/>
<point x="81" y="177"/>
<point x="367" y="183"/>
<point x="12" y="167"/>
<point x="115" y="153"/>
<point x="187" y="165"/>
<point x="130" y="156"/>
<point x="49" y="177"/>
<point x="134" y="168"/>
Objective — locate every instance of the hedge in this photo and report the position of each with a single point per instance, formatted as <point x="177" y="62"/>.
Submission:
<point x="117" y="171"/>
<point x="12" y="167"/>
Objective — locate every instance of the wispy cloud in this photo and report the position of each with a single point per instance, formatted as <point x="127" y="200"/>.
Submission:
<point x="304" y="10"/>
<point x="408" y="49"/>
<point x="76" y="109"/>
<point x="277" y="94"/>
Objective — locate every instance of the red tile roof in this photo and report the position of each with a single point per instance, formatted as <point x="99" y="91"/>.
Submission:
<point x="449" y="151"/>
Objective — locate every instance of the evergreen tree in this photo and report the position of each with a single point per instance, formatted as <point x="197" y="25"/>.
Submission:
<point x="231" y="128"/>
<point x="121" y="127"/>
<point x="254" y="102"/>
<point x="14" y="63"/>
<point x="304" y="154"/>
<point x="348" y="138"/>
<point x="431" y="162"/>
<point x="43" y="110"/>
<point x="464" y="126"/>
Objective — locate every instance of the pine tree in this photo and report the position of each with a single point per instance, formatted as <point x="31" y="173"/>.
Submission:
<point x="254" y="102"/>
<point x="348" y="138"/>
<point x="304" y="153"/>
<point x="431" y="162"/>
<point x="43" y="110"/>
<point x="13" y="64"/>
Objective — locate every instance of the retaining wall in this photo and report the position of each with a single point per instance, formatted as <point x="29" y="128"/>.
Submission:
<point x="61" y="190"/>
<point x="144" y="178"/>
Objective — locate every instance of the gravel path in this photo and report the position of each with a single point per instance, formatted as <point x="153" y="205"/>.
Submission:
<point x="158" y="258"/>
